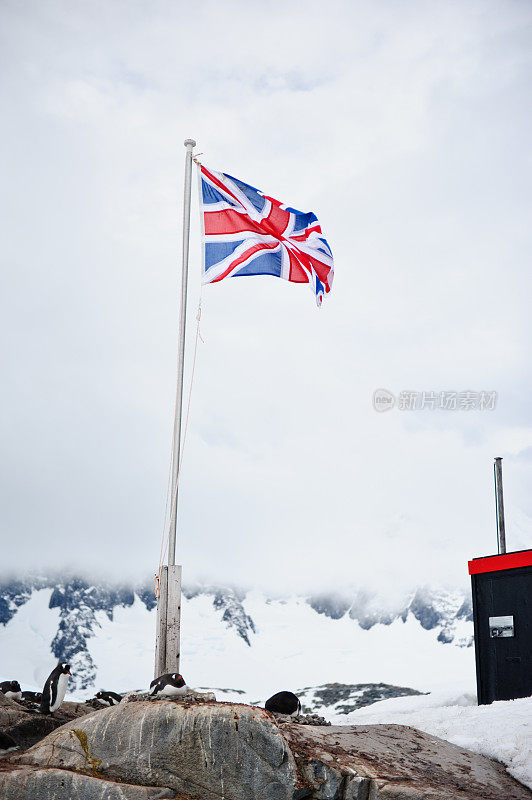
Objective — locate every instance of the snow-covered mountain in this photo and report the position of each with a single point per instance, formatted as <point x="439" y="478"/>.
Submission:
<point x="235" y="638"/>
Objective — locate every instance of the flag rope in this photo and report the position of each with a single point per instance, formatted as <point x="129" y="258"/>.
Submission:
<point x="167" y="519"/>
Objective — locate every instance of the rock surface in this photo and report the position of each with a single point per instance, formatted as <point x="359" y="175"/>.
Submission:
<point x="396" y="761"/>
<point x="205" y="750"/>
<point x="211" y="751"/>
<point x="35" y="783"/>
<point x="302" y="719"/>
<point x="26" y="726"/>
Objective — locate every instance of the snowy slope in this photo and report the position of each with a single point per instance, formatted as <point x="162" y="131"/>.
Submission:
<point x="502" y="730"/>
<point x="296" y="647"/>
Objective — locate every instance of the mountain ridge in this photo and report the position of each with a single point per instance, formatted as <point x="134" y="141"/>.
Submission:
<point x="83" y="605"/>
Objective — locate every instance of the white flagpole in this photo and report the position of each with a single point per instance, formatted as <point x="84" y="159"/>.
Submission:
<point x="169" y="602"/>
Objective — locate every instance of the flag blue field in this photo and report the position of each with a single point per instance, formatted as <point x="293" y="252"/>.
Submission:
<point x="246" y="232"/>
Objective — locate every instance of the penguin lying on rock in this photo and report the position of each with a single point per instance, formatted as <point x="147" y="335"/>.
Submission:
<point x="32" y="697"/>
<point x="55" y="688"/>
<point x="169" y="685"/>
<point x="108" y="698"/>
<point x="6" y="741"/>
<point x="284" y="703"/>
<point x="11" y="689"/>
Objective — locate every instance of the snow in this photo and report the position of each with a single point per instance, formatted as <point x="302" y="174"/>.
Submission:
<point x="26" y="654"/>
<point x="296" y="647"/>
<point x="123" y="649"/>
<point x="502" y="730"/>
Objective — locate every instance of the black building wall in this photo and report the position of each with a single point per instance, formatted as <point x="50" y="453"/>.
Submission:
<point x="503" y="656"/>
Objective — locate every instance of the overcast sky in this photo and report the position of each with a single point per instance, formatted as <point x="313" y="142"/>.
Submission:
<point x="405" y="126"/>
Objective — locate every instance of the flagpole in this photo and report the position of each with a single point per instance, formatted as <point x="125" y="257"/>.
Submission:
<point x="189" y="144"/>
<point x="167" y="649"/>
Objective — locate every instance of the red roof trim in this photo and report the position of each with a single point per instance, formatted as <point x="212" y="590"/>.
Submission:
<point x="495" y="563"/>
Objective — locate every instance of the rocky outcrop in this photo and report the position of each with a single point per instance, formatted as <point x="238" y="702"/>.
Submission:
<point x="342" y="698"/>
<point x="210" y="751"/>
<point x="206" y="750"/>
<point x="25" y="726"/>
<point x="396" y="762"/>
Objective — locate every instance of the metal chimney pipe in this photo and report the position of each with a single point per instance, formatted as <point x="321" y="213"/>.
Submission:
<point x="499" y="506"/>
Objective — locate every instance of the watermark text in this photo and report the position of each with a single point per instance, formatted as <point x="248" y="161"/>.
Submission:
<point x="450" y="400"/>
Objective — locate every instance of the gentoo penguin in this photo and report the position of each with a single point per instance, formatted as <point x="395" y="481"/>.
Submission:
<point x="11" y="689"/>
<point x="55" y="688"/>
<point x="284" y="703"/>
<point x="33" y="697"/>
<point x="108" y="698"/>
<point x="6" y="741"/>
<point x="169" y="685"/>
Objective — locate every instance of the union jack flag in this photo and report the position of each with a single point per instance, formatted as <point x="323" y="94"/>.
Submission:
<point x="245" y="232"/>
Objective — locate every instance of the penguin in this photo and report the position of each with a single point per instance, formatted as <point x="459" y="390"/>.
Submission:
<point x="11" y="689"/>
<point x="169" y="685"/>
<point x="284" y="703"/>
<point x="108" y="698"/>
<point x="32" y="697"/>
<point x="6" y="741"/>
<point x="55" y="688"/>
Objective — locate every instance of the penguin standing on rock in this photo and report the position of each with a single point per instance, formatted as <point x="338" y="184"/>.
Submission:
<point x="284" y="703"/>
<point x="55" y="688"/>
<point x="169" y="685"/>
<point x="11" y="689"/>
<point x="108" y="698"/>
